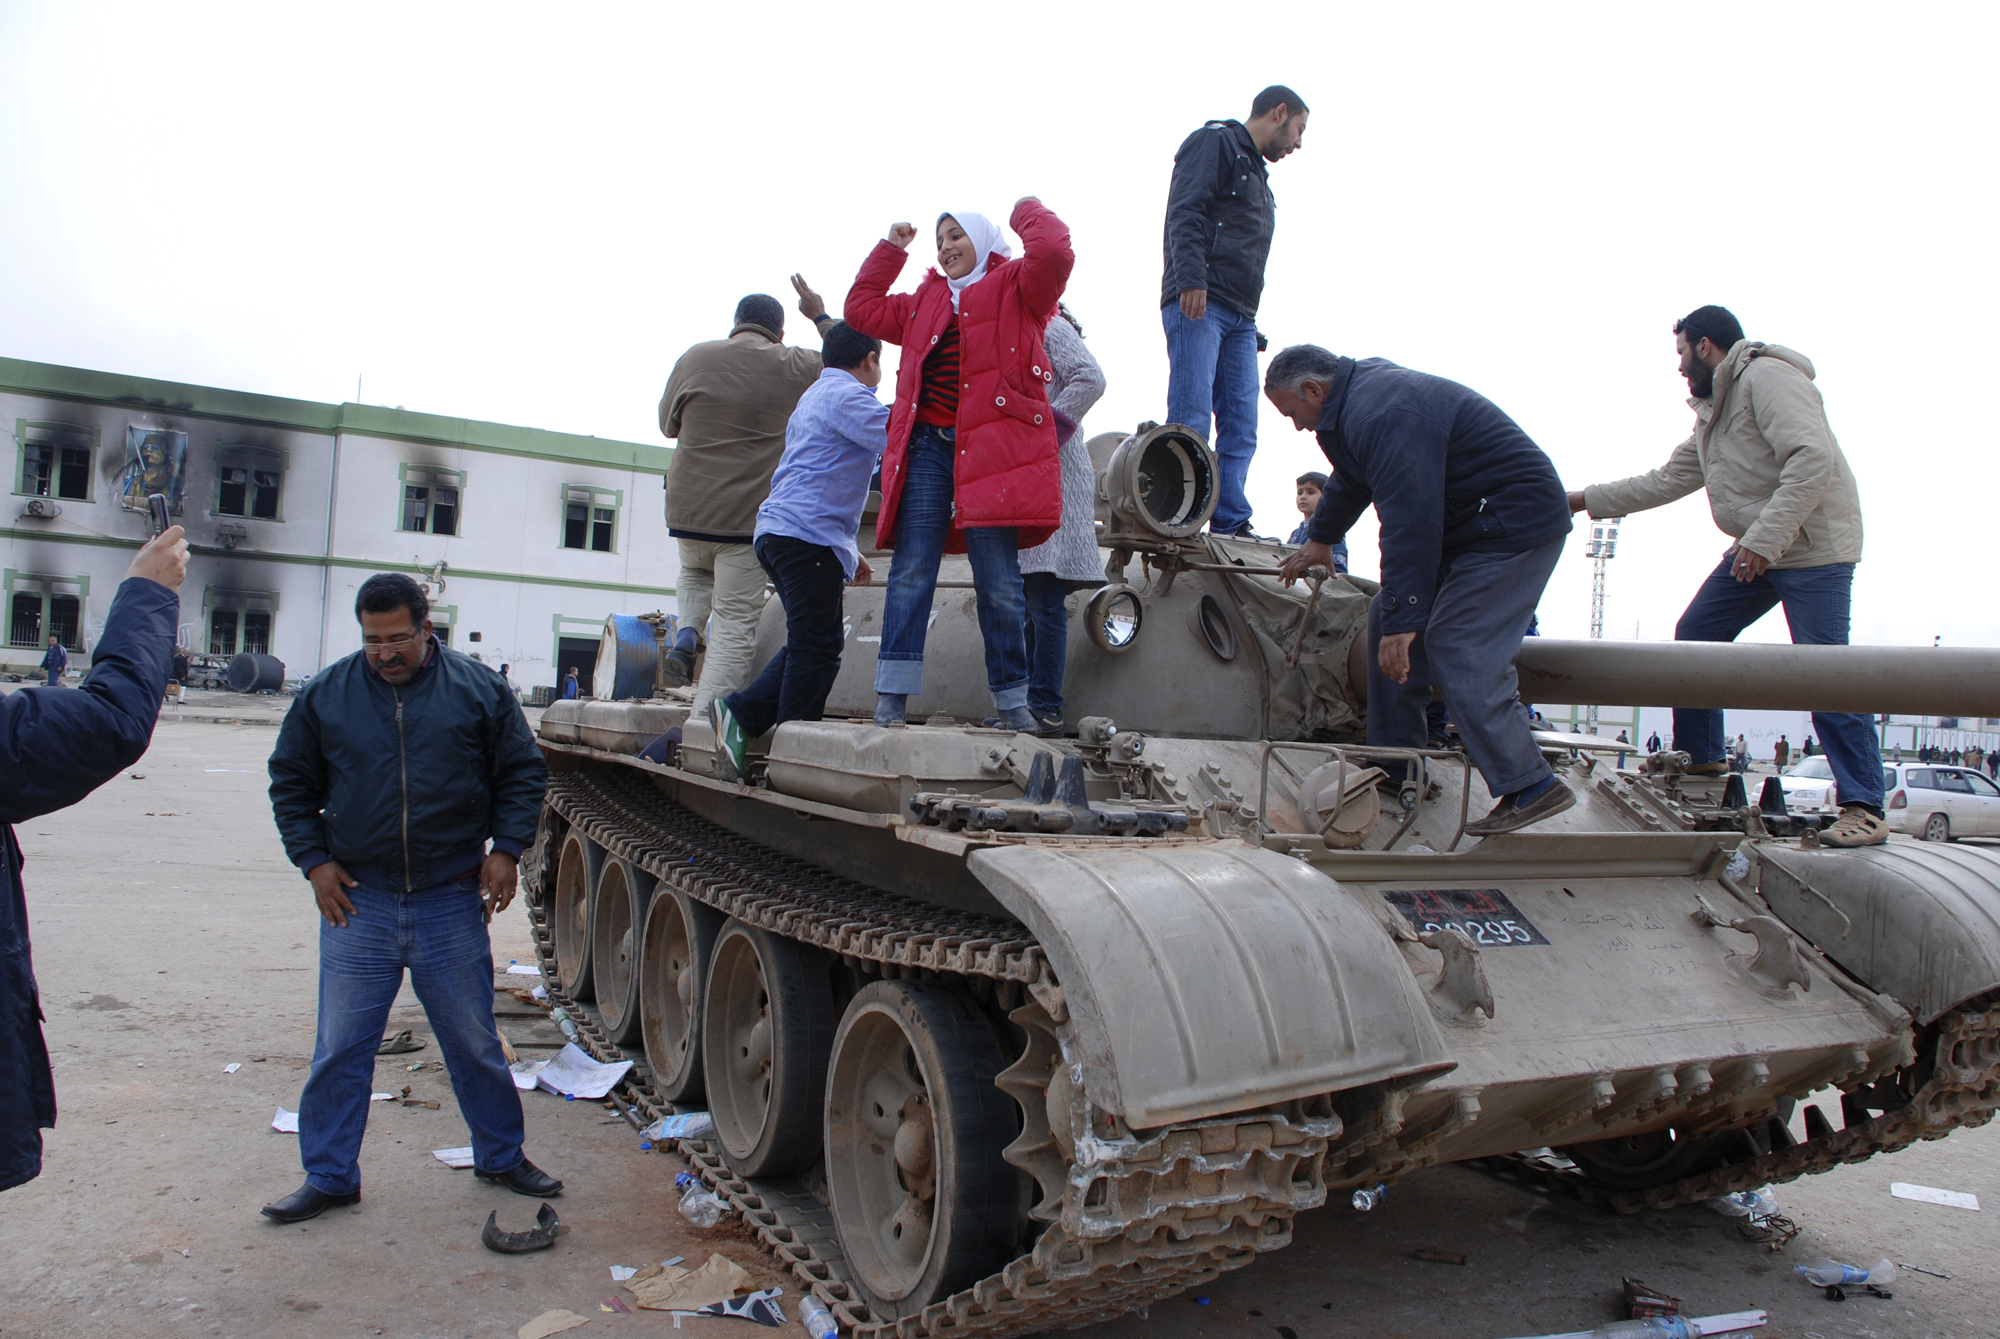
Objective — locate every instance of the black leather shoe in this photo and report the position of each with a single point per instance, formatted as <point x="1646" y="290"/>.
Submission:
<point x="306" y="1202"/>
<point x="524" y="1178"/>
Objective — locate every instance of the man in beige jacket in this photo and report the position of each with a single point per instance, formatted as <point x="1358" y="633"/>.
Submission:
<point x="1779" y="485"/>
<point x="726" y="404"/>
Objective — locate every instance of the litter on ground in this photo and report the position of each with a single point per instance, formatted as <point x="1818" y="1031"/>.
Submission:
<point x="1953" y="1199"/>
<point x="519" y="969"/>
<point x="573" y="1074"/>
<point x="453" y="1157"/>
<point x="673" y="1288"/>
<point x="285" y="1122"/>
<point x="525" y="1073"/>
<point x="231" y="1067"/>
<point x="548" y="1323"/>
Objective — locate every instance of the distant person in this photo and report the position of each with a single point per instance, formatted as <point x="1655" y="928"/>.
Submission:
<point x="977" y="473"/>
<point x="1781" y="753"/>
<point x="570" y="685"/>
<point x="1809" y="748"/>
<point x="1307" y="489"/>
<point x="56" y="749"/>
<point x="507" y="677"/>
<point x="1898" y="750"/>
<point x="725" y="406"/>
<point x="1653" y="742"/>
<point x="1623" y="738"/>
<point x="808" y="542"/>
<point x="55" y="661"/>
<point x="1069" y="559"/>
<point x="1993" y="763"/>
<point x="1779" y="486"/>
<point x="1220" y="218"/>
<point x="394" y="769"/>
<point x="1460" y="582"/>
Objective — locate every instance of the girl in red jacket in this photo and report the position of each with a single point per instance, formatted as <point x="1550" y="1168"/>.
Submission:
<point x="972" y="461"/>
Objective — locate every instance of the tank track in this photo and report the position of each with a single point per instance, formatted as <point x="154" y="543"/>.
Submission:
<point x="1186" y="1204"/>
<point x="1963" y="1092"/>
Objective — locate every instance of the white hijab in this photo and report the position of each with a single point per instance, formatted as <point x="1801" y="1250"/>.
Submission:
<point x="987" y="242"/>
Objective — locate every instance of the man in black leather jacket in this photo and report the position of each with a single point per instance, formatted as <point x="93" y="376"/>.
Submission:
<point x="1220" y="217"/>
<point x="57" y="746"/>
<point x="393" y="770"/>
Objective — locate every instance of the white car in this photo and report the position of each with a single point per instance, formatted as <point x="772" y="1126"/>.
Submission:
<point x="1809" y="784"/>
<point x="1940" y="804"/>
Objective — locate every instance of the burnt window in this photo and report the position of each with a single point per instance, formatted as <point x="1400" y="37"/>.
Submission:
<point x="27" y="620"/>
<point x="55" y="461"/>
<point x="222" y="625"/>
<point x="431" y="500"/>
<point x="590" y="518"/>
<point x="246" y="491"/>
<point x="257" y="632"/>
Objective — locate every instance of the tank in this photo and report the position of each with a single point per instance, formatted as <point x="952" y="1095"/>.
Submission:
<point x="1001" y="1033"/>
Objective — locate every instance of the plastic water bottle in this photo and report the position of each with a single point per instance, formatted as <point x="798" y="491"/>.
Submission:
<point x="1825" y="1273"/>
<point x="563" y="1021"/>
<point x="700" y="1206"/>
<point x="817" y="1319"/>
<point x="1368" y="1198"/>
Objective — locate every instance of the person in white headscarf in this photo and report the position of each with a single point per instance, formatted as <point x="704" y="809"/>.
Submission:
<point x="972" y="464"/>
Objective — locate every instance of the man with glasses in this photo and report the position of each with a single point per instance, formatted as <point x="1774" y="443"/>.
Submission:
<point x="393" y="770"/>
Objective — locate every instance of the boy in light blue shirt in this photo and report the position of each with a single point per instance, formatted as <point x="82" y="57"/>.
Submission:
<point x="806" y="541"/>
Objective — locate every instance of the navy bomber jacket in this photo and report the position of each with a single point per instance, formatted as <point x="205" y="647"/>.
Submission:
<point x="1446" y="470"/>
<point x="403" y="786"/>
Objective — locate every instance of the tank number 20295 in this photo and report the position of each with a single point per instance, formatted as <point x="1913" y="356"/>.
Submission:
<point x="1484" y="915"/>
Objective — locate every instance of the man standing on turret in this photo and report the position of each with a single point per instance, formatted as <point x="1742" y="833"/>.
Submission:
<point x="1778" y="484"/>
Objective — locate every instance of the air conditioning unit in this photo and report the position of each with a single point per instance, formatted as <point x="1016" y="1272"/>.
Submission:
<point x="41" y="509"/>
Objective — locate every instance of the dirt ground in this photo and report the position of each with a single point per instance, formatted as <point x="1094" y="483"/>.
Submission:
<point x="171" y="939"/>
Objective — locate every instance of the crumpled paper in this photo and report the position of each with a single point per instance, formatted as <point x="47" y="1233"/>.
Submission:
<point x="682" y="1289"/>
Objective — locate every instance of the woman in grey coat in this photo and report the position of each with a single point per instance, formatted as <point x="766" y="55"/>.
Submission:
<point x="1068" y="560"/>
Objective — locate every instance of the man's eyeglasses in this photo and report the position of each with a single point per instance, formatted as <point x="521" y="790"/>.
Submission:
<point x="391" y="644"/>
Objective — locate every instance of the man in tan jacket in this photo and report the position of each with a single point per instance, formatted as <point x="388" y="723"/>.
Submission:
<point x="1779" y="485"/>
<point x="726" y="404"/>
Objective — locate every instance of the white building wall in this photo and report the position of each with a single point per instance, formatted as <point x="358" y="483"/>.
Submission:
<point x="506" y="576"/>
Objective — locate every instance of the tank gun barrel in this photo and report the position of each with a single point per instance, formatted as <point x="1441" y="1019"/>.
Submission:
<point x="1907" y="680"/>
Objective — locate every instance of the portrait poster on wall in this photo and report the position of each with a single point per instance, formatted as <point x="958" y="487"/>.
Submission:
<point x="155" y="462"/>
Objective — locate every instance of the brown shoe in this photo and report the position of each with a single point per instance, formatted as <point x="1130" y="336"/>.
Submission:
<point x="1507" y="816"/>
<point x="1855" y="827"/>
<point x="1720" y="767"/>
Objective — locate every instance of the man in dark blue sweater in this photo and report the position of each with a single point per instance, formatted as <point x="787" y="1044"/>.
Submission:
<point x="1473" y="519"/>
<point x="55" y="748"/>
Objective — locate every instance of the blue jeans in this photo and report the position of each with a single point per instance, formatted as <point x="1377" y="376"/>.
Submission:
<point x="1816" y="600"/>
<point x="1048" y="642"/>
<point x="1467" y="652"/>
<point x="55" y="678"/>
<point x="1212" y="369"/>
<point x="795" y="682"/>
<point x="440" y="935"/>
<point x="923" y="522"/>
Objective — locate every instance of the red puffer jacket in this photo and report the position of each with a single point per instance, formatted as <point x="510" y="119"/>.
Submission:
<point x="1007" y="472"/>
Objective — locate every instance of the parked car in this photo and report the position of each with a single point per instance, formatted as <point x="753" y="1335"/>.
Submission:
<point x="1809" y="784"/>
<point x="1940" y="804"/>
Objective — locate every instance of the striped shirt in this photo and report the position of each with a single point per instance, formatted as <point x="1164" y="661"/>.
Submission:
<point x="937" y="398"/>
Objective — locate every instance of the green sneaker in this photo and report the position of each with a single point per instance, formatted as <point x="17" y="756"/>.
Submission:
<point x="730" y="743"/>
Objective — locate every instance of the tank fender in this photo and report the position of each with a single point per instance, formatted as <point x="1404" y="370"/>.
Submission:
<point x="1210" y="978"/>
<point x="1919" y="923"/>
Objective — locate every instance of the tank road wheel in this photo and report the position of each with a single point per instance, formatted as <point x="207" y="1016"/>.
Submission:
<point x="766" y="1028"/>
<point x="616" y="926"/>
<point x="678" y="943"/>
<point x="1656" y="1158"/>
<point x="922" y="1197"/>
<point x="1937" y="828"/>
<point x="576" y="887"/>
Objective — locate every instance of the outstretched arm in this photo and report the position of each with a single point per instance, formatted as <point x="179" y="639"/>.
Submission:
<point x="870" y="307"/>
<point x="1046" y="256"/>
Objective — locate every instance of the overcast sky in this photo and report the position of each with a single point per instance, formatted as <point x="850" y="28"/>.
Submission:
<point x="525" y="215"/>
